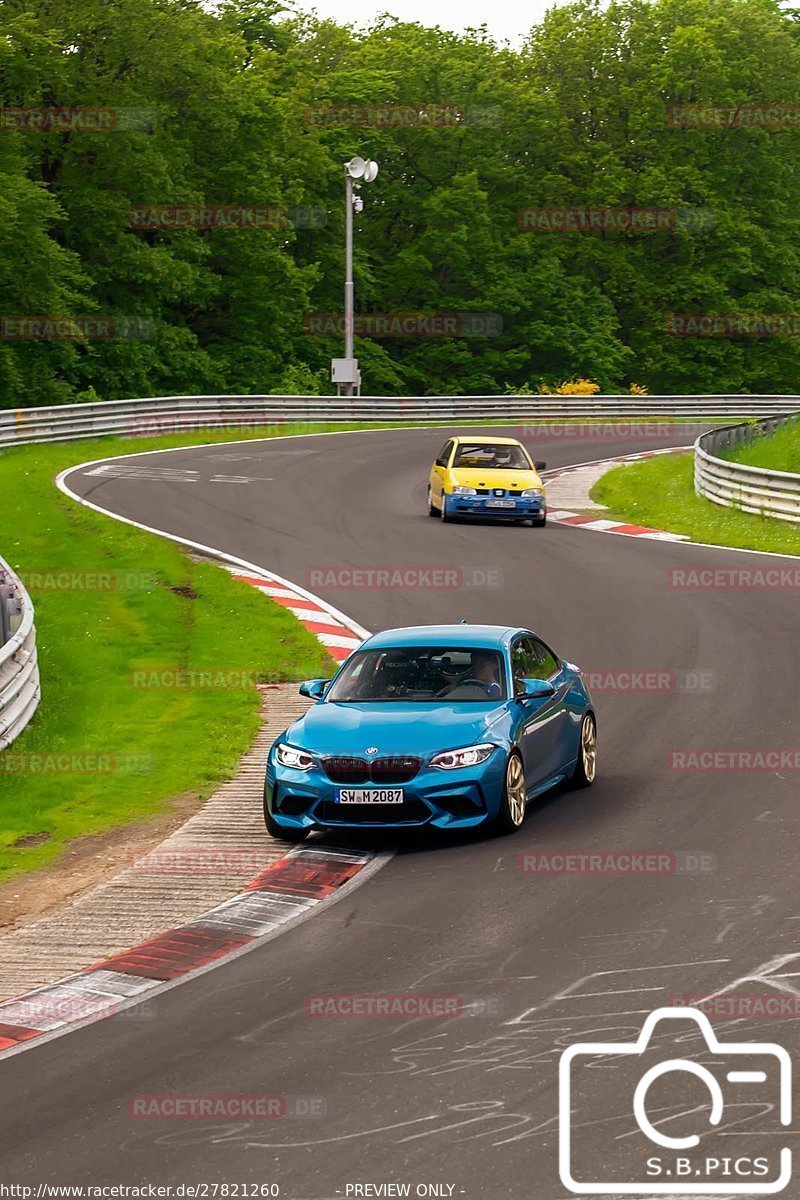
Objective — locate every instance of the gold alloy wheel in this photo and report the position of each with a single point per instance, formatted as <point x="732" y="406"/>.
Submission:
<point x="515" y="790"/>
<point x="589" y="748"/>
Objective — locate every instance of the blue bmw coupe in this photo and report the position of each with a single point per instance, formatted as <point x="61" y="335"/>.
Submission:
<point x="443" y="725"/>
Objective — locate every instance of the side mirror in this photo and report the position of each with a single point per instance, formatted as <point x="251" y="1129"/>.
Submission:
<point x="313" y="688"/>
<point x="540" y="466"/>
<point x="534" y="689"/>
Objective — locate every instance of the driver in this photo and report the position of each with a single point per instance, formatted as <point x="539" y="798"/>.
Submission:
<point x="484" y="672"/>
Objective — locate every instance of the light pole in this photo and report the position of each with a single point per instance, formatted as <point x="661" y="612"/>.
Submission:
<point x="344" y="371"/>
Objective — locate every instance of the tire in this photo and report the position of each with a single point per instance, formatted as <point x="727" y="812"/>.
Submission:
<point x="585" y="771"/>
<point x="432" y="512"/>
<point x="282" y="833"/>
<point x="512" y="805"/>
<point x="539" y="522"/>
<point x="443" y="513"/>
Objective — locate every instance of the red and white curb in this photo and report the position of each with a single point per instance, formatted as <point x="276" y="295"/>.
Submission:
<point x="339" y="635"/>
<point x="560" y="516"/>
<point x="286" y="892"/>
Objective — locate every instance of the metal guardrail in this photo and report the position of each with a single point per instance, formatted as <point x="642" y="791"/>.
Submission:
<point x="738" y="485"/>
<point x="179" y="414"/>
<point x="19" y="672"/>
<point x="19" y="667"/>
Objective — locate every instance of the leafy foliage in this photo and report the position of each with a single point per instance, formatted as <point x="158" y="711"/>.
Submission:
<point x="222" y="107"/>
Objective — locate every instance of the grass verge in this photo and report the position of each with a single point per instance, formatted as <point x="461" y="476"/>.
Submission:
<point x="779" y="451"/>
<point x="111" y="601"/>
<point x="659" y="492"/>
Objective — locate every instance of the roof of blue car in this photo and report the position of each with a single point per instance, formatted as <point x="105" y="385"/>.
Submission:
<point x="443" y="635"/>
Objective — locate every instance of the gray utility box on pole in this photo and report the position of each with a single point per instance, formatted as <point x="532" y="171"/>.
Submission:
<point x="345" y="370"/>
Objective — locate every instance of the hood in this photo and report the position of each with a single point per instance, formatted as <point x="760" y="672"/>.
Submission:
<point x="493" y="478"/>
<point x="394" y="728"/>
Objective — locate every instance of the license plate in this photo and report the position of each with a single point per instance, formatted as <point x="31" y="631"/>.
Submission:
<point x="501" y="503"/>
<point x="369" y="796"/>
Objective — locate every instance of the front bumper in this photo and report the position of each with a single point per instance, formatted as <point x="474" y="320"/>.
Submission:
<point x="444" y="799"/>
<point x="481" y="506"/>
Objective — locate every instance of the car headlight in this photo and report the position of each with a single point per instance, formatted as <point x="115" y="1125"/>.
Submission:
<point x="290" y="756"/>
<point x="458" y="490"/>
<point x="533" y="492"/>
<point x="466" y="756"/>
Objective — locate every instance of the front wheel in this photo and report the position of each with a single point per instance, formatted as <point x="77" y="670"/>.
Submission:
<point x="539" y="522"/>
<point x="432" y="512"/>
<point x="514" y="800"/>
<point x="586" y="767"/>
<point x="443" y="513"/>
<point x="283" y="833"/>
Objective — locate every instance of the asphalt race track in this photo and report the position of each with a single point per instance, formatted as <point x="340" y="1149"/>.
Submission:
<point x="543" y="960"/>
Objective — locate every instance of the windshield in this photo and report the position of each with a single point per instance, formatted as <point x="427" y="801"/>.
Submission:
<point x="420" y="674"/>
<point x="492" y="455"/>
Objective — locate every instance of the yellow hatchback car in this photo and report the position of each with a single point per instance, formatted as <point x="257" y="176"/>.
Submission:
<point x="486" y="477"/>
